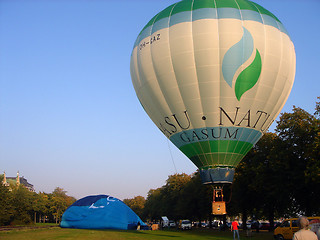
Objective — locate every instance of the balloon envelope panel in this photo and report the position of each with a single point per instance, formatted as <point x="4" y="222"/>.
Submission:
<point x="100" y="212"/>
<point x="213" y="75"/>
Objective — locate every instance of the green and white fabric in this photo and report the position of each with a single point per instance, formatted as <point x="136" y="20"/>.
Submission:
<point x="213" y="75"/>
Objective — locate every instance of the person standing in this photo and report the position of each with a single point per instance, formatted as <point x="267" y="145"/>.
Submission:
<point x="304" y="233"/>
<point x="235" y="229"/>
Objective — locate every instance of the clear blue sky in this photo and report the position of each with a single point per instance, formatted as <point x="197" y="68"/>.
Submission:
<point x="69" y="116"/>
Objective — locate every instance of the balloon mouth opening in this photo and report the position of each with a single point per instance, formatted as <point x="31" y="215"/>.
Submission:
<point x="218" y="175"/>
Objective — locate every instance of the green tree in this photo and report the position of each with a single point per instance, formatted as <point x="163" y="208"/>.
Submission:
<point x="22" y="199"/>
<point x="6" y="206"/>
<point x="196" y="199"/>
<point x="299" y="132"/>
<point x="167" y="200"/>
<point x="40" y="205"/>
<point x="280" y="175"/>
<point x="271" y="178"/>
<point x="183" y="196"/>
<point x="59" y="202"/>
<point x="261" y="187"/>
<point x="136" y="204"/>
<point x="244" y="192"/>
<point x="153" y="205"/>
<point x="172" y="195"/>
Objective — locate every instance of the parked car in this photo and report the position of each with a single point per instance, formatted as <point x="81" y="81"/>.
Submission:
<point x="216" y="224"/>
<point x="172" y="223"/>
<point x="265" y="226"/>
<point x="248" y="226"/>
<point x="185" y="224"/>
<point x="204" y="225"/>
<point x="255" y="225"/>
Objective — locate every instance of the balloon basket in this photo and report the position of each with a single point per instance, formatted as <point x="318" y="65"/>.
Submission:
<point x="218" y="205"/>
<point x="219" y="208"/>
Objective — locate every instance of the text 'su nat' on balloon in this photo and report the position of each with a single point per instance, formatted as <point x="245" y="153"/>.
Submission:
<point x="213" y="75"/>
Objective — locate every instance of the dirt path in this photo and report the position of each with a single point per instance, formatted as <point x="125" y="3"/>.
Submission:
<point x="10" y="228"/>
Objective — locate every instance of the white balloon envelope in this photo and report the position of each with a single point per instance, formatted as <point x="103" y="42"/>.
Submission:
<point x="213" y="75"/>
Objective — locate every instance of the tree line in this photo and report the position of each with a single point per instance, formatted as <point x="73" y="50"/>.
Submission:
<point x="279" y="177"/>
<point x="20" y="206"/>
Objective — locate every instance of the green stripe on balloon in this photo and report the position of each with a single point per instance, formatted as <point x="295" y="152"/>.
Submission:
<point x="212" y="160"/>
<point x="216" y="166"/>
<point x="222" y="146"/>
<point x="189" y="5"/>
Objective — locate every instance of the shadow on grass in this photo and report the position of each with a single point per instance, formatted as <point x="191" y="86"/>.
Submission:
<point x="203" y="234"/>
<point x="159" y="233"/>
<point x="90" y="234"/>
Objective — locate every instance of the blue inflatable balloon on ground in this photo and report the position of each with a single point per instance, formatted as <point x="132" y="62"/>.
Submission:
<point x="100" y="212"/>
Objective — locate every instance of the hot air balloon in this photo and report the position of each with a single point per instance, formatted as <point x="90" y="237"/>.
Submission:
<point x="213" y="75"/>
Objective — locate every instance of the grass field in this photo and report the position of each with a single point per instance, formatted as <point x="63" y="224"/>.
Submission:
<point x="82" y="234"/>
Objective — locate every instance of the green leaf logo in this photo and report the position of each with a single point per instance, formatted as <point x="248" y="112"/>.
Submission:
<point x="235" y="57"/>
<point x="248" y="77"/>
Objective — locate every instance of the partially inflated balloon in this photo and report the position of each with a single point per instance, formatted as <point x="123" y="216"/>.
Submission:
<point x="213" y="75"/>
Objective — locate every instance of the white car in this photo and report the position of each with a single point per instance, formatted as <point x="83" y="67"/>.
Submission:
<point x="186" y="224"/>
<point x="172" y="223"/>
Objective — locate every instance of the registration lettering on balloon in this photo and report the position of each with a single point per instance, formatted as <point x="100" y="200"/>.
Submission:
<point x="152" y="39"/>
